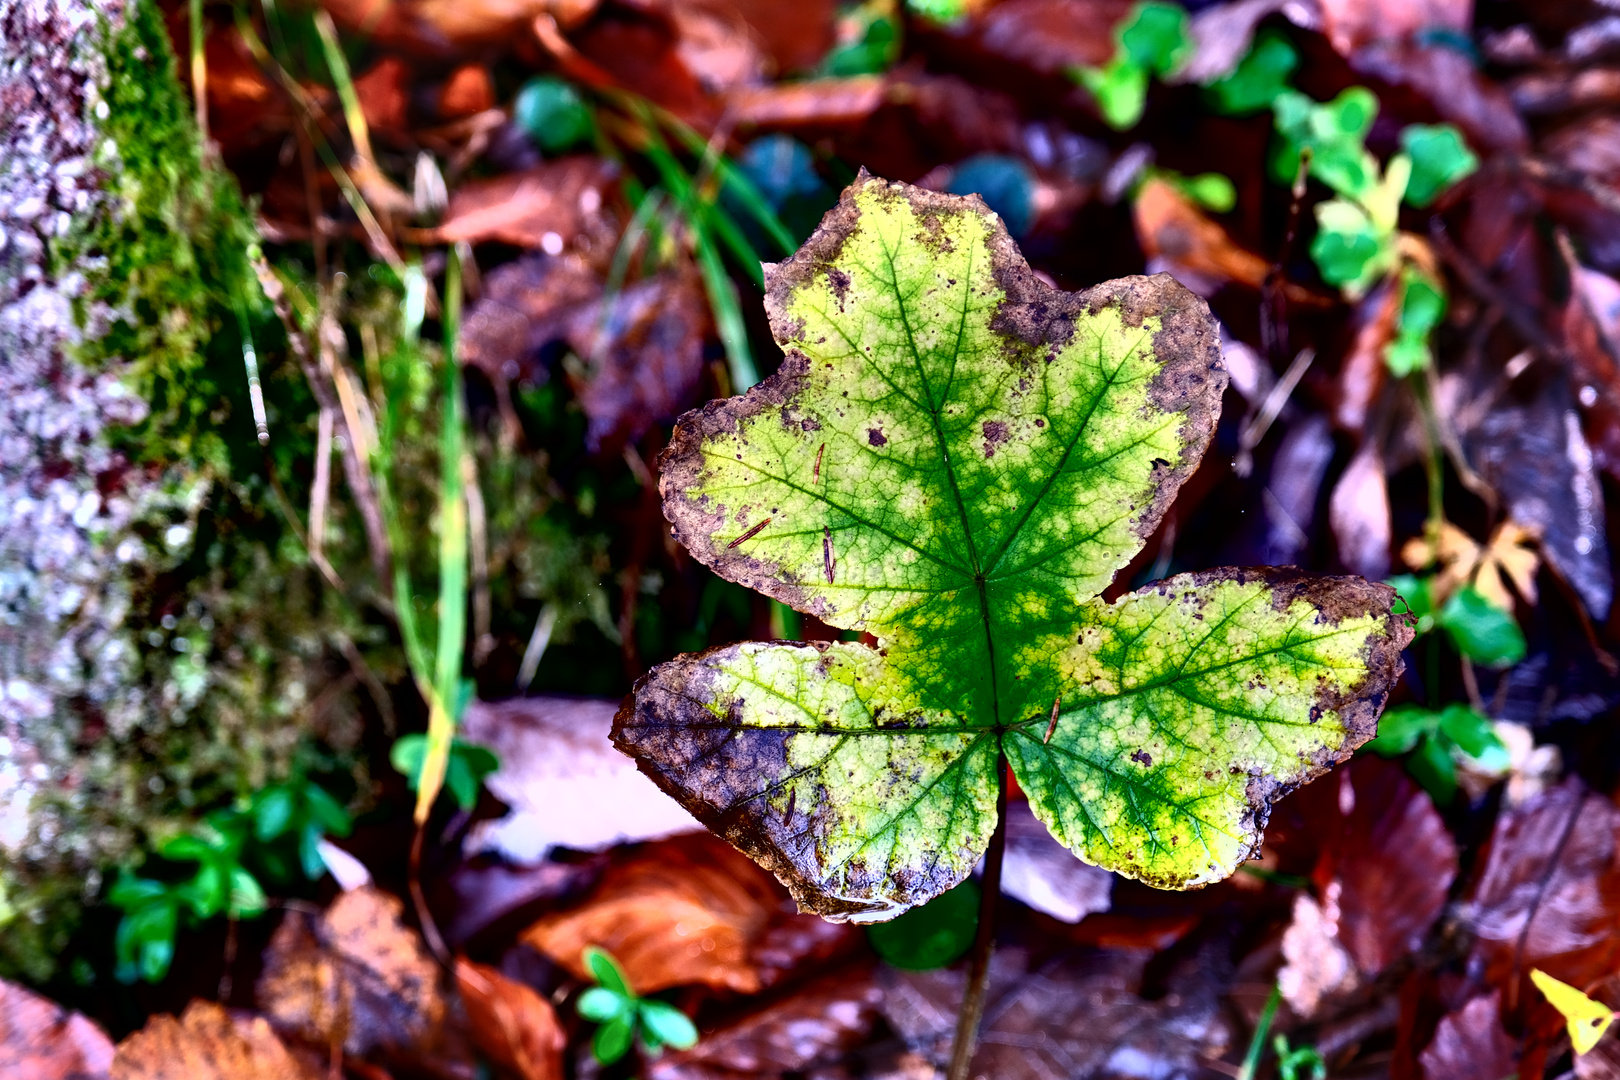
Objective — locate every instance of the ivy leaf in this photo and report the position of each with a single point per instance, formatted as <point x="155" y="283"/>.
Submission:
<point x="956" y="459"/>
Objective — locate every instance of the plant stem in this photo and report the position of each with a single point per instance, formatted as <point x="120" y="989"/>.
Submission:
<point x="967" y="1021"/>
<point x="1262" y="1028"/>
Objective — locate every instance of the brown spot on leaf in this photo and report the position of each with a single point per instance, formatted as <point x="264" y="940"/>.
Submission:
<point x="1143" y="758"/>
<point x="995" y="433"/>
<point x="875" y="437"/>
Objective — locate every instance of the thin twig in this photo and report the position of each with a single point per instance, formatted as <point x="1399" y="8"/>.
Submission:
<point x="967" y="1021"/>
<point x="1273" y="290"/>
<point x="430" y="929"/>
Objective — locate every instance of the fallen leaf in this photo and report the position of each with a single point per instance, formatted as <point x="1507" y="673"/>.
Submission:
<point x="466" y="92"/>
<point x="355" y="975"/>
<point x="812" y="1029"/>
<point x="485" y="890"/>
<point x="686" y="910"/>
<point x="1050" y="36"/>
<point x="1363" y="372"/>
<point x="442" y="28"/>
<point x="546" y="207"/>
<point x="810" y="103"/>
<point x="1358" y="513"/>
<point x="511" y="1024"/>
<point x="1316" y="964"/>
<point x="1461" y="560"/>
<point x="1046" y="875"/>
<point x="1079" y="1014"/>
<point x="1470" y="1042"/>
<point x="1592" y="332"/>
<point x="384" y="90"/>
<point x="1350" y="24"/>
<point x="1292" y="489"/>
<point x="1548" y="895"/>
<point x="794" y="36"/>
<point x="1447" y="79"/>
<point x="638" y="49"/>
<point x="643" y="357"/>
<point x="245" y="109"/>
<point x="565" y="783"/>
<point x="1532" y="768"/>
<point x="1222" y="34"/>
<point x="41" y="1040"/>
<point x="1178" y="237"/>
<point x="205" y="1043"/>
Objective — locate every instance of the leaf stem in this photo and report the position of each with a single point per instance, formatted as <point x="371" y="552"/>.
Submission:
<point x="967" y="1021"/>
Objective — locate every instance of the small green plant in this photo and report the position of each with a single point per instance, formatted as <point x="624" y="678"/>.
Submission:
<point x="1480" y="630"/>
<point x="464" y="771"/>
<point x="625" y="1018"/>
<point x="278" y="829"/>
<point x="1298" y="1063"/>
<point x="932" y="935"/>
<point x="956" y="459"/>
<point x="867" y="39"/>
<point x="1435" y="739"/>
<point x="1151" y="40"/>
<point x="1259" y="78"/>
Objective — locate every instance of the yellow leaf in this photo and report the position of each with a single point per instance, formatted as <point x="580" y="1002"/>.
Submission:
<point x="1588" y="1019"/>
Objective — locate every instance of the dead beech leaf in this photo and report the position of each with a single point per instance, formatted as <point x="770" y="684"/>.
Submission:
<point x="814" y="1027"/>
<point x="1050" y="36"/>
<point x="511" y="1024"/>
<point x="527" y="305"/>
<point x="40" y="1040"/>
<point x="1592" y="331"/>
<point x="1358" y="513"/>
<point x="811" y="103"/>
<point x="205" y="1043"/>
<point x="643" y="357"/>
<point x="466" y="92"/>
<point x="1548" y="895"/>
<point x="354" y="975"/>
<point x="1507" y="559"/>
<point x="546" y="207"/>
<point x="1350" y="24"/>
<point x="1470" y="1042"/>
<point x="690" y="909"/>
<point x="793" y="36"/>
<point x="1046" y="875"/>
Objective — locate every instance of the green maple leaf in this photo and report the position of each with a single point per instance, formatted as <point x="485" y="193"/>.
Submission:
<point x="957" y="459"/>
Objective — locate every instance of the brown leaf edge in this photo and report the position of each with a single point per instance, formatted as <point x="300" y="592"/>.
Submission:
<point x="1191" y="380"/>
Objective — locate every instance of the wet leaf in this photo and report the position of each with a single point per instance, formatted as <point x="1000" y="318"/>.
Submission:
<point x="205" y="1043"/>
<point x="1358" y="512"/>
<point x="1317" y="966"/>
<point x="40" y="1040"/>
<point x="511" y="1024"/>
<point x="956" y="459"/>
<point x="1470" y="1042"/>
<point x="682" y="911"/>
<point x="1507" y="559"/>
<point x="354" y="975"/>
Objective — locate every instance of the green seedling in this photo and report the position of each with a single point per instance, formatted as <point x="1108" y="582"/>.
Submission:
<point x="1260" y="77"/>
<point x="1151" y="40"/>
<point x="1480" y="631"/>
<point x="1436" y="739"/>
<point x="1423" y="305"/>
<point x="464" y="772"/>
<point x="1298" y="1063"/>
<point x="300" y="810"/>
<point x="1440" y="159"/>
<point x="625" y="1017"/>
<point x="868" y="40"/>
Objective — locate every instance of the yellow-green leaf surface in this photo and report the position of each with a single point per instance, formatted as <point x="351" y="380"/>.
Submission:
<point x="957" y="458"/>
<point x="1587" y="1019"/>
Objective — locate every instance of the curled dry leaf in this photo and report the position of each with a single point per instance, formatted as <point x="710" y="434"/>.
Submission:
<point x="547" y="207"/>
<point x="1363" y="371"/>
<point x="527" y="304"/>
<point x="510" y="1023"/>
<point x="682" y="911"/>
<point x="1548" y="895"/>
<point x="354" y="975"/>
<point x="813" y="1028"/>
<point x="957" y="459"/>
<point x="40" y="1040"/>
<point x="811" y="103"/>
<point x="1470" y="1042"/>
<point x="384" y="90"/>
<point x="205" y="1043"/>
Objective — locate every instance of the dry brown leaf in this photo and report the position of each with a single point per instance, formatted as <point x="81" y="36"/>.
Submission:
<point x="690" y="909"/>
<point x="1350" y="24"/>
<point x="812" y="103"/>
<point x="205" y="1043"/>
<point x="450" y="27"/>
<point x="793" y="35"/>
<point x="1363" y="372"/>
<point x="511" y="1024"/>
<point x="1449" y="81"/>
<point x="40" y="1040"/>
<point x="1192" y="246"/>
<point x="527" y="305"/>
<point x="354" y="975"/>
<point x="466" y="92"/>
<point x="1358" y="512"/>
<point x="1470" y="1042"/>
<point x="1051" y="36"/>
<point x="384" y="91"/>
<point x="1317" y="965"/>
<point x="1507" y="559"/>
<point x="1548" y="894"/>
<point x="546" y="207"/>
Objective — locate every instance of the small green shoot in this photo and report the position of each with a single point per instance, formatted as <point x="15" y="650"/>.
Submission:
<point x="933" y="935"/>
<point x="1480" y="631"/>
<point x="1259" y="78"/>
<point x="1152" y="40"/>
<point x="1436" y="740"/>
<point x="1298" y="1063"/>
<point x="1440" y="159"/>
<point x="301" y="809"/>
<point x="1423" y="305"/>
<point x="867" y="40"/>
<point x="624" y="1017"/>
<point x="553" y="114"/>
<point x="464" y="772"/>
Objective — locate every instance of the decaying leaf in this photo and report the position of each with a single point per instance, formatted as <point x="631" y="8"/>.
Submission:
<point x="1317" y="965"/>
<point x="355" y="975"/>
<point x="1548" y="895"/>
<point x="1470" y="1042"/>
<point x="956" y="459"/>
<point x="1045" y="875"/>
<point x="511" y="1024"/>
<point x="545" y="208"/>
<point x="41" y="1040"/>
<point x="449" y="27"/>
<point x="1358" y="511"/>
<point x="682" y="911"/>
<point x="205" y="1043"/>
<point x="813" y="1028"/>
